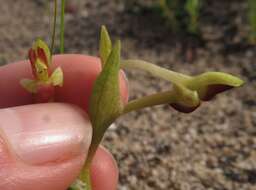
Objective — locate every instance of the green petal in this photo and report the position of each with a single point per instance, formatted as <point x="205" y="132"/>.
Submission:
<point x="29" y="85"/>
<point x="57" y="77"/>
<point x="105" y="45"/>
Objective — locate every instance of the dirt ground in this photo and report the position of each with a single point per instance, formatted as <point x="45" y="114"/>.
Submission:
<point x="213" y="148"/>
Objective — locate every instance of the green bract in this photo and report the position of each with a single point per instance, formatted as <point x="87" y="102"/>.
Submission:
<point x="105" y="102"/>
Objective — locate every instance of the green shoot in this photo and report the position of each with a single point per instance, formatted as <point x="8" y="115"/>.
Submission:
<point x="192" y="7"/>
<point x="54" y="27"/>
<point x="62" y="26"/>
<point x="252" y="20"/>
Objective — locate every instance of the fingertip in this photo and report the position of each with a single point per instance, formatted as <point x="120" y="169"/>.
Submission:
<point x="42" y="146"/>
<point x="104" y="171"/>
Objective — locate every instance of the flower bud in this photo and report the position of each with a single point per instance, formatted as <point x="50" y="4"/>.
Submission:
<point x="42" y="86"/>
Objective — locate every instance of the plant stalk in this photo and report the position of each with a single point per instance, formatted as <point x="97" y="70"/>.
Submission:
<point x="155" y="70"/>
<point x="54" y="27"/>
<point x="62" y="26"/>
<point x="149" y="101"/>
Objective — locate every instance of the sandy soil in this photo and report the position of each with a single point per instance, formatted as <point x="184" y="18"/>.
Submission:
<point x="213" y="148"/>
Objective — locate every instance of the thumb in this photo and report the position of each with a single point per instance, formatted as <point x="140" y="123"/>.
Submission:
<point x="42" y="146"/>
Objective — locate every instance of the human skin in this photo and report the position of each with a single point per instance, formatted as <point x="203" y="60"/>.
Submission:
<point x="43" y="146"/>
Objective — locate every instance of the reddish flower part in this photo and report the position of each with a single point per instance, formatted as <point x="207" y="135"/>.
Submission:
<point x="214" y="89"/>
<point x="43" y="85"/>
<point x="45" y="93"/>
<point x="182" y="108"/>
<point x="42" y="55"/>
<point x="32" y="59"/>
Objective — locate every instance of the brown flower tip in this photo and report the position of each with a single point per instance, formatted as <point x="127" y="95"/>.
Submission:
<point x="182" y="108"/>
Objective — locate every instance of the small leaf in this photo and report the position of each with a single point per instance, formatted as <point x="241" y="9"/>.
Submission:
<point x="210" y="84"/>
<point x="105" y="101"/>
<point x="57" y="77"/>
<point x="29" y="85"/>
<point x="105" y="45"/>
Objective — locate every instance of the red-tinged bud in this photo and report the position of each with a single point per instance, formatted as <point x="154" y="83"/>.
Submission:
<point x="43" y="85"/>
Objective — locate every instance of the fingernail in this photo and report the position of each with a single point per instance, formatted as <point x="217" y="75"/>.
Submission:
<point x="125" y="87"/>
<point x="125" y="77"/>
<point x="46" y="133"/>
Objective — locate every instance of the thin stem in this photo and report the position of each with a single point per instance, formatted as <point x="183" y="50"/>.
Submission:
<point x="155" y="70"/>
<point x="62" y="26"/>
<point x="83" y="182"/>
<point x="54" y="26"/>
<point x="149" y="101"/>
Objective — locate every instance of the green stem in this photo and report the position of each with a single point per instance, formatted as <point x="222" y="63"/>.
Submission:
<point x="149" y="101"/>
<point x="155" y="70"/>
<point x="54" y="26"/>
<point x="62" y="26"/>
<point x="84" y="180"/>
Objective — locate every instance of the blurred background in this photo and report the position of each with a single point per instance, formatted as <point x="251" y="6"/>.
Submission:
<point x="213" y="148"/>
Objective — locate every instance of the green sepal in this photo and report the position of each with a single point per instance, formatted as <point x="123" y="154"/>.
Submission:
<point x="29" y="85"/>
<point x="105" y="45"/>
<point x="57" y="77"/>
<point x="211" y="83"/>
